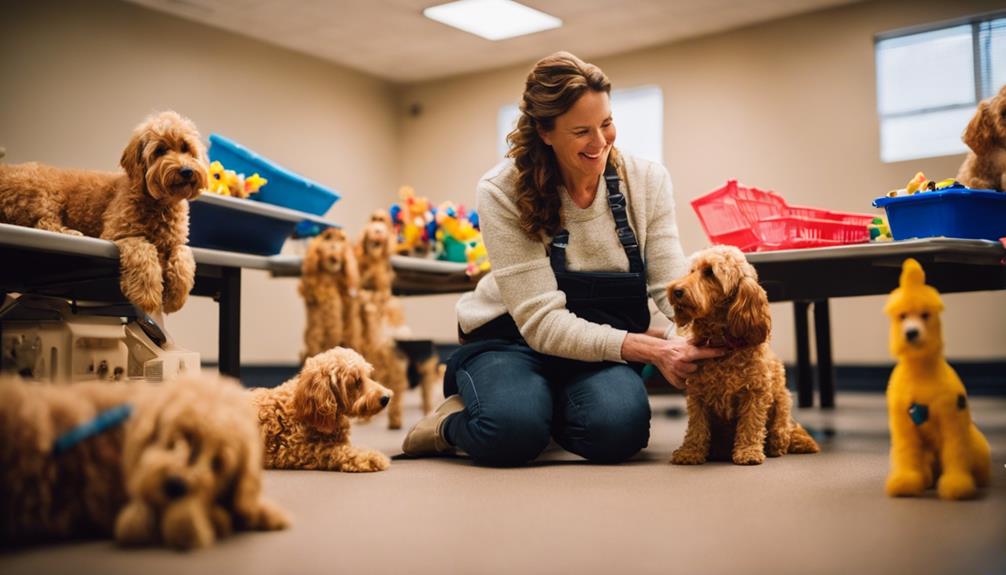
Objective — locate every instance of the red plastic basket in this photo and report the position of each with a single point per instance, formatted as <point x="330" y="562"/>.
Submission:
<point x="756" y="220"/>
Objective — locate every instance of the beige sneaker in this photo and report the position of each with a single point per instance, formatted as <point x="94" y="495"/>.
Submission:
<point x="425" y="438"/>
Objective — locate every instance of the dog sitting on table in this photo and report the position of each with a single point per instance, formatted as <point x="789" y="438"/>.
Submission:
<point x="984" y="167"/>
<point x="177" y="463"/>
<point x="143" y="209"/>
<point x="738" y="405"/>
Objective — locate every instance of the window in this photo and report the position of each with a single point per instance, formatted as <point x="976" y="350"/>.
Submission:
<point x="639" y="118"/>
<point x="930" y="81"/>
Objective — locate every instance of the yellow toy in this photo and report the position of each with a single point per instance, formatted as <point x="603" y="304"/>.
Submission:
<point x="229" y="183"/>
<point x="478" y="258"/>
<point x="932" y="436"/>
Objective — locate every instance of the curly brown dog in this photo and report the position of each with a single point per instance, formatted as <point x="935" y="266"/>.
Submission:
<point x="183" y="468"/>
<point x="373" y="254"/>
<point x="143" y="209"/>
<point x="329" y="281"/>
<point x="306" y="421"/>
<point x="985" y="165"/>
<point x="738" y="404"/>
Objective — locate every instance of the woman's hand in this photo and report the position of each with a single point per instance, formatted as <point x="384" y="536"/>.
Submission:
<point x="674" y="357"/>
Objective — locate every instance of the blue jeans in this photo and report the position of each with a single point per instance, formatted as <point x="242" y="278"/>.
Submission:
<point x="516" y="399"/>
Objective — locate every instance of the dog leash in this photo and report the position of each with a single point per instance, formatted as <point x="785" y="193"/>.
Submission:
<point x="101" y="423"/>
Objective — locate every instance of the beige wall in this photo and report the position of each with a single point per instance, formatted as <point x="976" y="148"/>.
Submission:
<point x="77" y="76"/>
<point x="788" y="105"/>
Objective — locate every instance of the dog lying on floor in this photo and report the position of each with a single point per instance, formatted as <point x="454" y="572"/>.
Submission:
<point x="305" y="422"/>
<point x="985" y="165"/>
<point x="329" y="282"/>
<point x="738" y="404"/>
<point x="178" y="463"/>
<point x="932" y="434"/>
<point x="144" y="209"/>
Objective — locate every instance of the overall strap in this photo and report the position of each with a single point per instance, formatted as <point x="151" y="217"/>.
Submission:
<point x="616" y="202"/>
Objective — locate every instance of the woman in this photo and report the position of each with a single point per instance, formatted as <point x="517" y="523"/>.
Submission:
<point x="579" y="237"/>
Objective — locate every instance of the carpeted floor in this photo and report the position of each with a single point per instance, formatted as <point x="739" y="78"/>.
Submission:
<point x="819" y="514"/>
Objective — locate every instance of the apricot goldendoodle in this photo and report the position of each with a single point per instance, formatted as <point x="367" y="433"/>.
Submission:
<point x="144" y="209"/>
<point x="985" y="165"/>
<point x="738" y="404"/>
<point x="329" y="282"/>
<point x="177" y="463"/>
<point x="305" y="422"/>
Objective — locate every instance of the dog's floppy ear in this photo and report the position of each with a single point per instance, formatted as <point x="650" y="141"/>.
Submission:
<point x="980" y="131"/>
<point x="748" y="318"/>
<point x="132" y="161"/>
<point x="314" y="398"/>
<point x="312" y="259"/>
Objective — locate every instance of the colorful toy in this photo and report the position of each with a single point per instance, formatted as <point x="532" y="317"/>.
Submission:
<point x="919" y="183"/>
<point x="932" y="436"/>
<point x="411" y="219"/>
<point x="453" y="233"/>
<point x="229" y="183"/>
<point x="477" y="257"/>
<point x="880" y="231"/>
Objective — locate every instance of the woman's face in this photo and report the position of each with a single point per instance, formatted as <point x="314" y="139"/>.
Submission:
<point x="582" y="137"/>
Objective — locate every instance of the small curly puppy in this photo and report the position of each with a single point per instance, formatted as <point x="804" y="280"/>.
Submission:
<point x="305" y="422"/>
<point x="143" y="209"/>
<point x="932" y="434"/>
<point x="183" y="468"/>
<point x="738" y="404"/>
<point x="985" y="165"/>
<point x="330" y="279"/>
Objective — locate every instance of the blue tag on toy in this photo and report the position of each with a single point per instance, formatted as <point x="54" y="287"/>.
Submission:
<point x="919" y="413"/>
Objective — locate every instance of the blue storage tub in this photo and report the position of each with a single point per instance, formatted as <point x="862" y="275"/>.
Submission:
<point x="236" y="225"/>
<point x="953" y="213"/>
<point x="285" y="188"/>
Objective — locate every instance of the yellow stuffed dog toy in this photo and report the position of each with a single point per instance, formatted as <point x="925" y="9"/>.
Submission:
<point x="932" y="435"/>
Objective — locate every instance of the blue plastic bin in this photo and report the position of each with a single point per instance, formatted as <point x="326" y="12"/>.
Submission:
<point x="285" y="188"/>
<point x="236" y="225"/>
<point x="953" y="213"/>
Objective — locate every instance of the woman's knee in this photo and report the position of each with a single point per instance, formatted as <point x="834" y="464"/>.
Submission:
<point x="509" y="437"/>
<point x="617" y="433"/>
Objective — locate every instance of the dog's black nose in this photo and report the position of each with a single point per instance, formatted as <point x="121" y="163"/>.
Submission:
<point x="912" y="334"/>
<point x="186" y="173"/>
<point x="678" y="293"/>
<point x="174" y="487"/>
<point x="384" y="400"/>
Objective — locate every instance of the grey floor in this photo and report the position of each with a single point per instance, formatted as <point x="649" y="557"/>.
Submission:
<point x="818" y="514"/>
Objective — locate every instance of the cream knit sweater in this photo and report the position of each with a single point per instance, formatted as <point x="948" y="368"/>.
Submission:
<point x="522" y="283"/>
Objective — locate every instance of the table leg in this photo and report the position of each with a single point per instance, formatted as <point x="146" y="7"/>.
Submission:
<point x="804" y="376"/>
<point x="825" y="368"/>
<point x="229" y="344"/>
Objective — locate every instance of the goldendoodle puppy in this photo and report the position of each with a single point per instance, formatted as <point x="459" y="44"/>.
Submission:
<point x="329" y="281"/>
<point x="985" y="165"/>
<point x="373" y="254"/>
<point x="738" y="404"/>
<point x="143" y="209"/>
<point x="306" y="421"/>
<point x="379" y="348"/>
<point x="177" y="463"/>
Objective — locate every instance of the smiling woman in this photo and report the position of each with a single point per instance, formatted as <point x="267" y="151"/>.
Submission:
<point x="581" y="237"/>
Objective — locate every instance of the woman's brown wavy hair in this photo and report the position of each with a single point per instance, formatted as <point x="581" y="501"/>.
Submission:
<point x="555" y="83"/>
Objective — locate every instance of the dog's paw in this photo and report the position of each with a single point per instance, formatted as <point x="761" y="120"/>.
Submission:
<point x="905" y="484"/>
<point x="269" y="517"/>
<point x="777" y="444"/>
<point x="367" y="461"/>
<point x="179" y="277"/>
<point x="749" y="456"/>
<point x="956" y="486"/>
<point x="136" y="525"/>
<point x="71" y="232"/>
<point x="187" y="525"/>
<point x="684" y="456"/>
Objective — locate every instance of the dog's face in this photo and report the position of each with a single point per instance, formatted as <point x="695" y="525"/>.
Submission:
<point x="987" y="129"/>
<point x="165" y="158"/>
<point x="336" y="384"/>
<point x="914" y="310"/>
<point x="377" y="241"/>
<point x="720" y="298"/>
<point x="330" y="253"/>
<point x="192" y="449"/>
